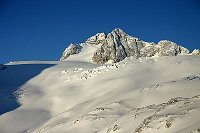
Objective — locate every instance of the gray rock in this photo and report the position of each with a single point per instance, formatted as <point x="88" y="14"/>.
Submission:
<point x="183" y="50"/>
<point x="70" y="50"/>
<point x="118" y="45"/>
<point x="149" y="50"/>
<point x="168" y="48"/>
<point x="195" y="52"/>
<point x="99" y="38"/>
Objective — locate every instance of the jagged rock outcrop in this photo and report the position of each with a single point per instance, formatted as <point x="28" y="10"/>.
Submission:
<point x="168" y="48"/>
<point x="70" y="50"/>
<point x="118" y="45"/>
<point x="183" y="51"/>
<point x="99" y="38"/>
<point x="149" y="50"/>
<point x="195" y="52"/>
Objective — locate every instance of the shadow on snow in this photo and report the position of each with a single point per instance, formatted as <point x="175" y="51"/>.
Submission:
<point x="12" y="78"/>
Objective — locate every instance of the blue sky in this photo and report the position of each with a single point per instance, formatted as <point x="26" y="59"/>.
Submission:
<point x="41" y="29"/>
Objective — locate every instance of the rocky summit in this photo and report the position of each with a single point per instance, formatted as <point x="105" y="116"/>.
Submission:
<point x="118" y="45"/>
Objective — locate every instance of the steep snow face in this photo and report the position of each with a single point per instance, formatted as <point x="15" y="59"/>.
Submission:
<point x="118" y="45"/>
<point x="155" y="94"/>
<point x="85" y="55"/>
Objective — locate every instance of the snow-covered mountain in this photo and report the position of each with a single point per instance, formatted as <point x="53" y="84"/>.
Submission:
<point x="118" y="45"/>
<point x="156" y="94"/>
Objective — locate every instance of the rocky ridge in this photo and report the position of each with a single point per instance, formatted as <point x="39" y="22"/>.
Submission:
<point x="118" y="45"/>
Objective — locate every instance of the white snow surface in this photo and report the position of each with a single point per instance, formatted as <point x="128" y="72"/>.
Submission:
<point x="86" y="53"/>
<point x="148" y="95"/>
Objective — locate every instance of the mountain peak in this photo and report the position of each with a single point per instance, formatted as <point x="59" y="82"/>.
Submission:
<point x="117" y="45"/>
<point x="118" y="30"/>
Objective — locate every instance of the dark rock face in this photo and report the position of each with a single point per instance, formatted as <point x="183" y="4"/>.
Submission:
<point x="118" y="45"/>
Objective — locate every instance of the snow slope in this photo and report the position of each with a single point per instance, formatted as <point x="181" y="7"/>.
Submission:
<point x="85" y="54"/>
<point x="157" y="94"/>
